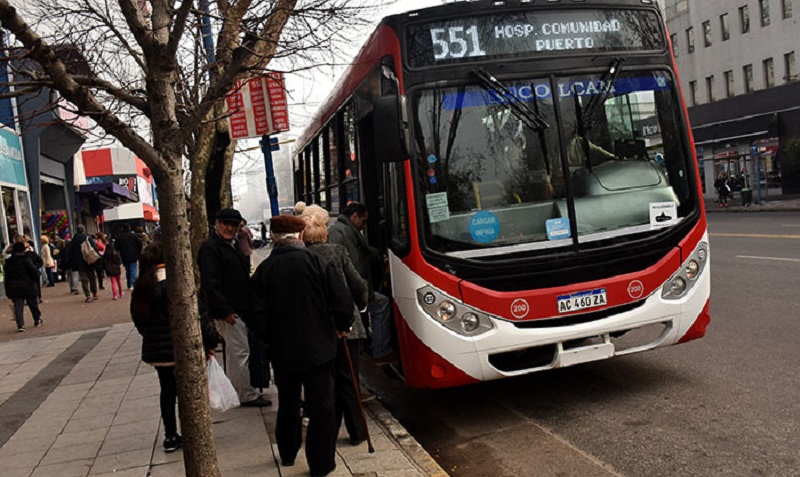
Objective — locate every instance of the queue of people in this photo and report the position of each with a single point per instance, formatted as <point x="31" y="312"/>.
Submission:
<point x="304" y="303"/>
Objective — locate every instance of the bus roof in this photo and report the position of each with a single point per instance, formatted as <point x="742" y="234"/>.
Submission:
<point x="370" y="52"/>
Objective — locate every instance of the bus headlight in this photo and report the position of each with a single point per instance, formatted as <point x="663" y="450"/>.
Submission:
<point x="446" y="310"/>
<point x="452" y="314"/>
<point x="681" y="282"/>
<point x="678" y="285"/>
<point x="692" y="269"/>
<point x="470" y="322"/>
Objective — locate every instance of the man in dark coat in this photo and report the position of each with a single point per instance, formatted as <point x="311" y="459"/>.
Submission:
<point x="225" y="296"/>
<point x="76" y="262"/>
<point x="129" y="247"/>
<point x="347" y="231"/>
<point x="301" y="307"/>
<point x="21" y="278"/>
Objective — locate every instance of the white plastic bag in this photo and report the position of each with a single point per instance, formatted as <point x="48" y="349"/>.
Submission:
<point x="221" y="394"/>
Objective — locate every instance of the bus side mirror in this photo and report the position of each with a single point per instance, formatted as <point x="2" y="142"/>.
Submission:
<point x="391" y="128"/>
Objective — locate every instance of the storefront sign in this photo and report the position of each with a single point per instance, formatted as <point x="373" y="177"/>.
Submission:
<point x="12" y="166"/>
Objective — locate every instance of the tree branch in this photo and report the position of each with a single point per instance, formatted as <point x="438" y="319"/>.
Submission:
<point x="72" y="91"/>
<point x="136" y="22"/>
<point x="179" y="26"/>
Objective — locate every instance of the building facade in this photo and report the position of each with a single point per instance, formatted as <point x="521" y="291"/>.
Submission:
<point x="738" y="71"/>
<point x="117" y="172"/>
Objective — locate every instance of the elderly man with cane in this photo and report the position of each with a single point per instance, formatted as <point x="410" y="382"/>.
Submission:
<point x="301" y="308"/>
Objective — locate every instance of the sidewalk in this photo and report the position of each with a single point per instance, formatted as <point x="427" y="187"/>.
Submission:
<point x="82" y="403"/>
<point x="779" y="204"/>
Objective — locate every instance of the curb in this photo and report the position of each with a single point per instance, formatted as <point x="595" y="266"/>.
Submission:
<point x="416" y="453"/>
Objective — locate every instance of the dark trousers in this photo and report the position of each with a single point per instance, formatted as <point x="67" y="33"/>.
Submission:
<point x="88" y="281"/>
<point x="317" y="387"/>
<point x="347" y="405"/>
<point x="168" y="398"/>
<point x="19" y="310"/>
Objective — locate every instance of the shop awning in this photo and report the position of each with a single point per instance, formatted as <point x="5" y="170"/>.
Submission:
<point x="733" y="130"/>
<point x="109" y="194"/>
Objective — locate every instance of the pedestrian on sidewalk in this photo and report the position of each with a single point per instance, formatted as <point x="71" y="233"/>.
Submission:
<point x="21" y="280"/>
<point x="86" y="272"/>
<point x="150" y="314"/>
<point x="130" y="247"/>
<point x="113" y="268"/>
<point x="723" y="186"/>
<point x="99" y="266"/>
<point x="225" y="298"/>
<point x="30" y="251"/>
<point x="244" y="239"/>
<point x="302" y="307"/>
<point x="47" y="260"/>
<point x="315" y="236"/>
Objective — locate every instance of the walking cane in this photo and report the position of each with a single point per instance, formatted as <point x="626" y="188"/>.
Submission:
<point x="358" y="394"/>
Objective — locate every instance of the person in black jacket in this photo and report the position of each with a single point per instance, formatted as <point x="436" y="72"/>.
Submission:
<point x="150" y="314"/>
<point x="130" y="247"/>
<point x="76" y="262"/>
<point x="225" y="297"/>
<point x="21" y="279"/>
<point x="301" y="307"/>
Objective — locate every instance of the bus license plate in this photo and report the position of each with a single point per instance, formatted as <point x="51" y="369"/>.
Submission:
<point x="582" y="300"/>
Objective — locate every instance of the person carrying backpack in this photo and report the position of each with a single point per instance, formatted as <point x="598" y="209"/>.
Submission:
<point x="79" y="254"/>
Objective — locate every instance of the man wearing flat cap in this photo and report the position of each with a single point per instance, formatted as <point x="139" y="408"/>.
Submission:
<point x="300" y="307"/>
<point x="225" y="296"/>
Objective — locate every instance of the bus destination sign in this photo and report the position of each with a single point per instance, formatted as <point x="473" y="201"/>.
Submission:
<point x="532" y="34"/>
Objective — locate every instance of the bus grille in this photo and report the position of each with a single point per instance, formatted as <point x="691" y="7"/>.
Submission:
<point x="578" y="318"/>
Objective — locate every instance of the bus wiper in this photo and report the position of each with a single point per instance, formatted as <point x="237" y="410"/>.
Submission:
<point x="608" y="80"/>
<point x="581" y="128"/>
<point x="529" y="117"/>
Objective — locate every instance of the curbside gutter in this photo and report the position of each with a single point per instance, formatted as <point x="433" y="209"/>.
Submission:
<point x="415" y="452"/>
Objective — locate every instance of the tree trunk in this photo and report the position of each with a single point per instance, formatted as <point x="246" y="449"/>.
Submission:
<point x="199" y="452"/>
<point x="199" y="164"/>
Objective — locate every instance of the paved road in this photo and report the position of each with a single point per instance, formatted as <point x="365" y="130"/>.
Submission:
<point x="724" y="405"/>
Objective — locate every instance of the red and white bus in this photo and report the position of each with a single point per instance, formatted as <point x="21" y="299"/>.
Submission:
<point x="530" y="172"/>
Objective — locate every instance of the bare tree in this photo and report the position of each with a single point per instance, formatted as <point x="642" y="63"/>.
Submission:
<point x="143" y="78"/>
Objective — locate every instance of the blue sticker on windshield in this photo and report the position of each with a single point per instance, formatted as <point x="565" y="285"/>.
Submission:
<point x="484" y="226"/>
<point x="558" y="229"/>
<point x="540" y="91"/>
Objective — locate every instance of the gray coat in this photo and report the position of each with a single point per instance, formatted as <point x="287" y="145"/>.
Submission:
<point x="343" y="232"/>
<point x="336" y="255"/>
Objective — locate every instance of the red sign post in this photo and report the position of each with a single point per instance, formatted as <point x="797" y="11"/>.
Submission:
<point x="257" y="107"/>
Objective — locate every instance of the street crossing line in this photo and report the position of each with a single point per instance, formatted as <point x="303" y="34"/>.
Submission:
<point x="776" y="259"/>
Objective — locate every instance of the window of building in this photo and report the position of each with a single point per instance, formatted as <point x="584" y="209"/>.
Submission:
<point x="730" y="90"/>
<point x="789" y="67"/>
<point x="674" y="40"/>
<point x="690" y="39"/>
<point x="748" y="78"/>
<point x="744" y="17"/>
<point x="710" y="88"/>
<point x="787" y="8"/>
<point x="769" y="73"/>
<point x="707" y="34"/>
<point x="763" y="7"/>
<point x="726" y="30"/>
<point x="693" y="92"/>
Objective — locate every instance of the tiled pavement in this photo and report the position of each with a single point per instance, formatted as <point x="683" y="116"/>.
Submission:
<point x="82" y="403"/>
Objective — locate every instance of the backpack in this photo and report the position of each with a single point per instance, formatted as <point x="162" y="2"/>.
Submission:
<point x="88" y="252"/>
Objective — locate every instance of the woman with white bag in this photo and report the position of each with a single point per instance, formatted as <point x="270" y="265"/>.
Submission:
<point x="151" y="317"/>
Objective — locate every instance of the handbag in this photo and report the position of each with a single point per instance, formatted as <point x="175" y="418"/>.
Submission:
<point x="221" y="394"/>
<point x="88" y="252"/>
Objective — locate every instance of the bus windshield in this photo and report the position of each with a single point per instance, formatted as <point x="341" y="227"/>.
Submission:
<point x="499" y="178"/>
